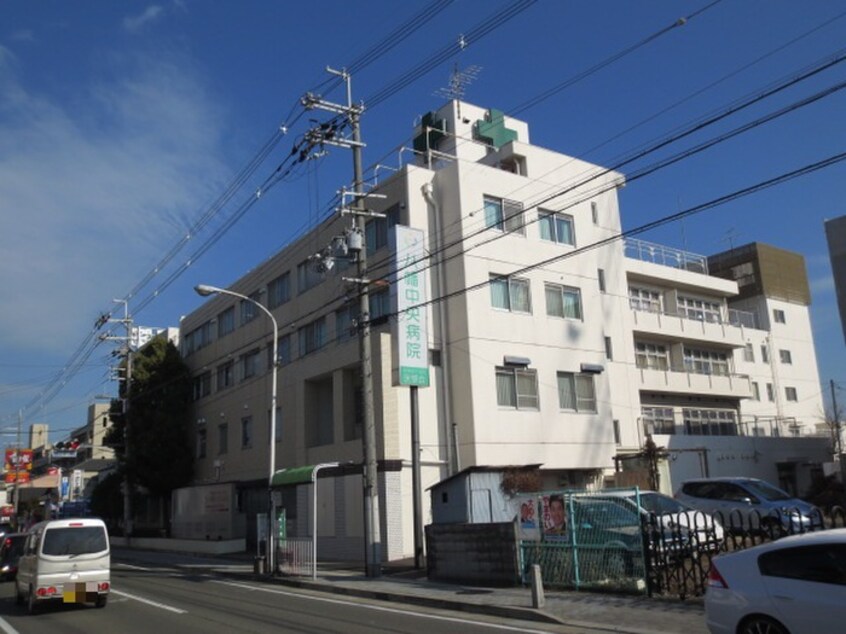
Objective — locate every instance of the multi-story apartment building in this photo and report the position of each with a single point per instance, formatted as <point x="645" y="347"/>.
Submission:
<point x="547" y="345"/>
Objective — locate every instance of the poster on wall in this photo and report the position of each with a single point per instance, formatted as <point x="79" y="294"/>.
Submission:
<point x="525" y="509"/>
<point x="554" y="517"/>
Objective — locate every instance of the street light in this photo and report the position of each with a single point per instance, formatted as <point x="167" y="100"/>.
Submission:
<point x="205" y="290"/>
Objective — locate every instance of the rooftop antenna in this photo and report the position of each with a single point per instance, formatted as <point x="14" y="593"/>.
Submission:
<point x="730" y="237"/>
<point x="459" y="80"/>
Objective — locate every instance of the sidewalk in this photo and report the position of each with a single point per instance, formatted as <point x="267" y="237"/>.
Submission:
<point x="590" y="612"/>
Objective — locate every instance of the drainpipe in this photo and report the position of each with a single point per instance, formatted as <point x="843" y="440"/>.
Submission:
<point x="428" y="190"/>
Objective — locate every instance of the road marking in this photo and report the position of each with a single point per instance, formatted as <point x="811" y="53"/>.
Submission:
<point x="451" y="619"/>
<point x="155" y="604"/>
<point x="8" y="629"/>
<point x="134" y="567"/>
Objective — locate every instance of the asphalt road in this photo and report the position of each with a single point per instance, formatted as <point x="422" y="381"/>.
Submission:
<point x="162" y="600"/>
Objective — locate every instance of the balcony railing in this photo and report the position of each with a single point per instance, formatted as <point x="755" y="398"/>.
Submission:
<point x="665" y="256"/>
<point x="732" y="317"/>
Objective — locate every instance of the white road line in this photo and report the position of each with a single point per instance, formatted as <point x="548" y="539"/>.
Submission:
<point x="134" y="567"/>
<point x="8" y="629"/>
<point x="381" y="608"/>
<point x="155" y="604"/>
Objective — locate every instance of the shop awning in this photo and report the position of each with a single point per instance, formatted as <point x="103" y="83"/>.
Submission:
<point x="292" y="475"/>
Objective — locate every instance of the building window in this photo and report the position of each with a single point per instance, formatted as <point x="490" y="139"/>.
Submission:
<point x="249" y="364"/>
<point x="660" y="419"/>
<point x="785" y="357"/>
<point x="198" y="338"/>
<point x="312" y="336"/>
<point x="504" y="215"/>
<point x="556" y="227"/>
<point x="346" y="320"/>
<point x="279" y="290"/>
<point x="617" y="439"/>
<point x="576" y="392"/>
<point x="377" y="230"/>
<point x="749" y="353"/>
<point x="778" y="316"/>
<point x="225" y="375"/>
<point x="307" y="276"/>
<point x="765" y="353"/>
<point x="563" y="301"/>
<point x="600" y="279"/>
<point x="700" y="309"/>
<point x="609" y="350"/>
<point x="706" y="362"/>
<point x="770" y="392"/>
<point x="645" y="299"/>
<point x="202" y="385"/>
<point x="651" y="356"/>
<point x="517" y="387"/>
<point x="511" y="293"/>
<point x="790" y="394"/>
<point x="594" y="212"/>
<point x="201" y="443"/>
<point x="756" y="392"/>
<point x="709" y="422"/>
<point x="225" y="322"/>
<point x="246" y="432"/>
<point x="379" y="304"/>
<point x="222" y="438"/>
<point x="283" y="352"/>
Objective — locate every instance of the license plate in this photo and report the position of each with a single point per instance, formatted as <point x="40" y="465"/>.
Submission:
<point x="80" y="592"/>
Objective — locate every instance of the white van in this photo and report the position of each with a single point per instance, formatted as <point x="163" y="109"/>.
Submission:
<point x="67" y="560"/>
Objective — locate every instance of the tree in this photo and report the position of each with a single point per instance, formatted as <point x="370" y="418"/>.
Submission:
<point x="161" y="456"/>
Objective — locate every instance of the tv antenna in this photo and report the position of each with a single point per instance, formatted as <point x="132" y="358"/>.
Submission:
<point x="458" y="82"/>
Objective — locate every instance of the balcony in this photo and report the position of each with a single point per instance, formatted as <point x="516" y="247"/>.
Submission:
<point x="682" y="326"/>
<point x="665" y="256"/>
<point x="681" y="381"/>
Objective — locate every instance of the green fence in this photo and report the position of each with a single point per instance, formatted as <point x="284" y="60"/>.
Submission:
<point x="584" y="540"/>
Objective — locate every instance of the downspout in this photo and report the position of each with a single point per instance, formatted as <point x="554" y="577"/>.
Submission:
<point x="428" y="191"/>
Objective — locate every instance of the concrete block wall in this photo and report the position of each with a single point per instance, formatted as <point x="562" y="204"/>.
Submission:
<point x="483" y="554"/>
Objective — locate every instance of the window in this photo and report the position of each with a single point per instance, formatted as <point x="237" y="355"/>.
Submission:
<point x="346" y="319"/>
<point x="645" y="299"/>
<point x="756" y="392"/>
<point x="202" y="385"/>
<point x="770" y="392"/>
<point x="284" y="351"/>
<point x="201" y="443"/>
<point x="576" y="392"/>
<point x="700" y="309"/>
<point x="225" y="322"/>
<point x="749" y="353"/>
<point x="617" y="439"/>
<point x="225" y="375"/>
<point x="249" y="364"/>
<point x="556" y="227"/>
<point x="307" y="276"/>
<point x="222" y="438"/>
<point x="790" y="394"/>
<point x="709" y="422"/>
<point x="279" y="291"/>
<point x="246" y="432"/>
<point x="600" y="279"/>
<point x="784" y="356"/>
<point x="651" y="356"/>
<point x="765" y="353"/>
<point x="594" y="212"/>
<point x="511" y="293"/>
<point x="504" y="215"/>
<point x="312" y="336"/>
<point x="563" y="301"/>
<point x="198" y="338"/>
<point x="517" y="387"/>
<point x="249" y="310"/>
<point x="377" y="230"/>
<point x="820" y="563"/>
<point x="661" y="419"/>
<point x="705" y="362"/>
<point x="609" y="350"/>
<point x="778" y="316"/>
<point x="379" y="303"/>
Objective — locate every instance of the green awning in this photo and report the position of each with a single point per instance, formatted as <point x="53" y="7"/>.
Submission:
<point x="292" y="475"/>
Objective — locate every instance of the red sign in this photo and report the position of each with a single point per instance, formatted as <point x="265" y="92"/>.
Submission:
<point x="23" y="476"/>
<point x="52" y="470"/>
<point x="18" y="460"/>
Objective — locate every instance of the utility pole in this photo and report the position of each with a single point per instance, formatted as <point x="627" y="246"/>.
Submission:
<point x="373" y="546"/>
<point x="17" y="469"/>
<point x="835" y="422"/>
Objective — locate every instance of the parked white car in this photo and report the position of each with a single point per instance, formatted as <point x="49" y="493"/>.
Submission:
<point x="795" y="585"/>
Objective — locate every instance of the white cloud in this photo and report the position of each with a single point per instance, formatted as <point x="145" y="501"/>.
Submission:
<point x="136" y="22"/>
<point x="23" y="35"/>
<point x="88" y="196"/>
<point x="822" y="284"/>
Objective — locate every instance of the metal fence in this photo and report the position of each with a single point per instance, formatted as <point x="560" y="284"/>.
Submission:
<point x="294" y="556"/>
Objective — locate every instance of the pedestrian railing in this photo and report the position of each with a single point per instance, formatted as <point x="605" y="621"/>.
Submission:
<point x="294" y="556"/>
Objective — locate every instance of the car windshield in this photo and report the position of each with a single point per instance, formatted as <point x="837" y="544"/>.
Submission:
<point x="767" y="491"/>
<point x="76" y="540"/>
<point x="661" y="504"/>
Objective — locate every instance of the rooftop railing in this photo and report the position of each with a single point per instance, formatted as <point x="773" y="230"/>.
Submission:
<point x="665" y="256"/>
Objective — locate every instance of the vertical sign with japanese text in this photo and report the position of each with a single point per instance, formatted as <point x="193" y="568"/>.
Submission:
<point x="412" y="334"/>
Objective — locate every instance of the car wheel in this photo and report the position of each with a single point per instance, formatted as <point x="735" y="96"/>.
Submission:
<point x="761" y="625"/>
<point x="19" y="597"/>
<point x="102" y="600"/>
<point x="31" y="604"/>
<point x="616" y="564"/>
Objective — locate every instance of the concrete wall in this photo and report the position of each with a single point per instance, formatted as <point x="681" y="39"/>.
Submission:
<point x="482" y="554"/>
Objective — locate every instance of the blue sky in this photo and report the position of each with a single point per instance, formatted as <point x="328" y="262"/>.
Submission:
<point x="121" y="122"/>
